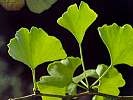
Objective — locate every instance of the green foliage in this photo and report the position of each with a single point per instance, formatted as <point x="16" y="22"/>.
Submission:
<point x="110" y="81"/>
<point x="61" y="74"/>
<point x="38" y="6"/>
<point x="51" y="90"/>
<point x="74" y="21"/>
<point x="77" y="20"/>
<point x="88" y="73"/>
<point x="35" y="47"/>
<point x="119" y="41"/>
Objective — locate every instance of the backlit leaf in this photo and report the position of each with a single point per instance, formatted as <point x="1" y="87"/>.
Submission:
<point x="54" y="90"/>
<point x="77" y="20"/>
<point x="87" y="73"/>
<point x="110" y="82"/>
<point x="61" y="74"/>
<point x="35" y="47"/>
<point x="119" y="41"/>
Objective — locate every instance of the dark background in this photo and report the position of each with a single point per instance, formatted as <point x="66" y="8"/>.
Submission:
<point x="15" y="77"/>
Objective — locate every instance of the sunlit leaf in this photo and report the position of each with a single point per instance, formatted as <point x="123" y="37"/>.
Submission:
<point x="71" y="89"/>
<point x="87" y="73"/>
<point x="38" y="6"/>
<point x="61" y="74"/>
<point x="35" y="47"/>
<point x="77" y="20"/>
<point x="54" y="90"/>
<point x="110" y="82"/>
<point x="119" y="41"/>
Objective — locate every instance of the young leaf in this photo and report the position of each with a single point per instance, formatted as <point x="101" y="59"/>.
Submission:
<point x="87" y="73"/>
<point x="119" y="41"/>
<point x="77" y="20"/>
<point x="61" y="74"/>
<point x="38" y="6"/>
<point x="71" y="88"/>
<point x="35" y="47"/>
<point x="110" y="82"/>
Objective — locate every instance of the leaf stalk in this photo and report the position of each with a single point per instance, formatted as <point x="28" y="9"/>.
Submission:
<point x="83" y="66"/>
<point x="35" y="88"/>
<point x="101" y="76"/>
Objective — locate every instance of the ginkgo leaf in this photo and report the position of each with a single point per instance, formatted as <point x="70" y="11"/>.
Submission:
<point x="61" y="74"/>
<point x="119" y="41"/>
<point x="35" y="47"/>
<point x="54" y="90"/>
<point x="87" y="73"/>
<point x="110" y="81"/>
<point x="38" y="6"/>
<point x="77" y="20"/>
<point x="71" y="89"/>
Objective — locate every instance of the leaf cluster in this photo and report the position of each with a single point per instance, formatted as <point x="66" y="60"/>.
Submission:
<point x="34" y="47"/>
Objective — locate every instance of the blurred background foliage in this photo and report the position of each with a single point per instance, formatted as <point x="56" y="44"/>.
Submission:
<point x="15" y="77"/>
<point x="36" y="6"/>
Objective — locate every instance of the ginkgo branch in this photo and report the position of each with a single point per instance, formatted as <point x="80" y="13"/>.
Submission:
<point x="74" y="97"/>
<point x="36" y="95"/>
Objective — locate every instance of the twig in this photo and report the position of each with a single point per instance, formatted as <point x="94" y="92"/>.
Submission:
<point x="24" y="97"/>
<point x="36" y="95"/>
<point x="104" y="95"/>
<point x="73" y="97"/>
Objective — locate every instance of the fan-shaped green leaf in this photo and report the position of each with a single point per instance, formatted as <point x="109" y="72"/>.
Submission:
<point x="35" y="47"/>
<point x="119" y="41"/>
<point x="77" y="20"/>
<point x="61" y="74"/>
<point x="110" y="81"/>
<point x="38" y="6"/>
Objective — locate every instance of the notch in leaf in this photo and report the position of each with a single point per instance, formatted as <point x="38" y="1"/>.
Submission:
<point x="77" y="20"/>
<point x="35" y="47"/>
<point x="109" y="81"/>
<point x="119" y="41"/>
<point x="60" y="78"/>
